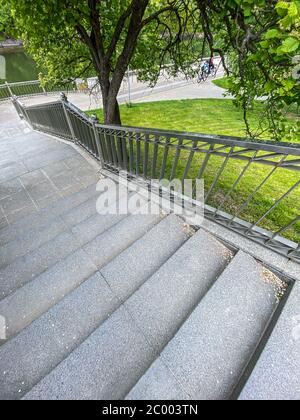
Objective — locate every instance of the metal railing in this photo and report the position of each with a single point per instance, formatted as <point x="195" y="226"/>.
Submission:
<point x="252" y="188"/>
<point x="31" y="88"/>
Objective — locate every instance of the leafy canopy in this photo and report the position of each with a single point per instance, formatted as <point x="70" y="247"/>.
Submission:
<point x="259" y="41"/>
<point x="261" y="38"/>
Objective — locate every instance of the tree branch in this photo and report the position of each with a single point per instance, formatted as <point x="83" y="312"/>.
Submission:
<point x="118" y="31"/>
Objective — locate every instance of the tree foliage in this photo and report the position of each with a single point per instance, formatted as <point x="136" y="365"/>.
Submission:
<point x="76" y="37"/>
<point x="262" y="40"/>
<point x="5" y="17"/>
<point x="258" y="40"/>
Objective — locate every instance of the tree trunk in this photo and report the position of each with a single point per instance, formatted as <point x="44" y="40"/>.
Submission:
<point x="112" y="112"/>
<point x="111" y="108"/>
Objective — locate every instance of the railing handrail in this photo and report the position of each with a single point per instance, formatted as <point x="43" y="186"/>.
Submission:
<point x="110" y="145"/>
<point x="29" y="82"/>
<point x="284" y="148"/>
<point x="266" y="145"/>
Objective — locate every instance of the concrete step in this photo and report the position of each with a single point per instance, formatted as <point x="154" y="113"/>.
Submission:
<point x="106" y="247"/>
<point x="129" y="270"/>
<point x="179" y="286"/>
<point x="43" y="218"/>
<point x="30" y="241"/>
<point x="277" y="372"/>
<point x="98" y="369"/>
<point x="83" y="232"/>
<point x="25" y="268"/>
<point x="210" y="351"/>
<point x="38" y="349"/>
<point x="36" y="297"/>
<point x="65" y="326"/>
<point x="107" y="365"/>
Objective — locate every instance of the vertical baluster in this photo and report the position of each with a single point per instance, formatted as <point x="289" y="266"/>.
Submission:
<point x="165" y="158"/>
<point x="131" y="153"/>
<point x="124" y="138"/>
<point x="119" y="149"/>
<point x="138" y="154"/>
<point x="176" y="159"/>
<point x="189" y="161"/>
<point x="103" y="145"/>
<point x="155" y="155"/>
<point x="218" y="175"/>
<point x="109" y="148"/>
<point x="113" y="140"/>
<point x="146" y="153"/>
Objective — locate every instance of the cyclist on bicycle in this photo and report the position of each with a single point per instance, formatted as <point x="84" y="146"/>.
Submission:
<point x="205" y="68"/>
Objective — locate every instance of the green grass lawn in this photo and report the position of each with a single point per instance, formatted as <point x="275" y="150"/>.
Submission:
<point x="212" y="116"/>
<point x="209" y="116"/>
<point x="222" y="82"/>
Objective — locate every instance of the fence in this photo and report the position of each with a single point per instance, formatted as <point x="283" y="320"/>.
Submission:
<point x="32" y="88"/>
<point x="252" y="188"/>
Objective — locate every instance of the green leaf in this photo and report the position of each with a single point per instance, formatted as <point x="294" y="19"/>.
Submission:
<point x="293" y="10"/>
<point x="264" y="44"/>
<point x="282" y="8"/>
<point x="290" y="45"/>
<point x="273" y="33"/>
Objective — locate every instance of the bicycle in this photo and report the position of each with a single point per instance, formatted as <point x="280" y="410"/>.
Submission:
<point x="206" y="71"/>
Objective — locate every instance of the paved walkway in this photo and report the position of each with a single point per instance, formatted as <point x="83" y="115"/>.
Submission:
<point x="167" y="91"/>
<point x="207" y="90"/>
<point x="36" y="170"/>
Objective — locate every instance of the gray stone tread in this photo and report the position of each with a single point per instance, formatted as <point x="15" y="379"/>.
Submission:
<point x="38" y="296"/>
<point x="156" y="382"/>
<point x="276" y="375"/>
<point x="39" y="348"/>
<point x="106" y="247"/>
<point x="112" y="359"/>
<point x="128" y="271"/>
<point x="212" y="348"/>
<point x="95" y="370"/>
<point x="42" y="219"/>
<point x="163" y="303"/>
<point x="30" y="241"/>
<point x="25" y="268"/>
<point x="78" y="314"/>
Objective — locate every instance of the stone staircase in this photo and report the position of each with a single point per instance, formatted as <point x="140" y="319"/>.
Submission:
<point x="136" y="307"/>
<point x="139" y="307"/>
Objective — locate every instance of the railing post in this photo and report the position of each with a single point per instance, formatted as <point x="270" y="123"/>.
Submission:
<point x="19" y="107"/>
<point x="9" y="89"/>
<point x="64" y="101"/>
<point x="94" y="120"/>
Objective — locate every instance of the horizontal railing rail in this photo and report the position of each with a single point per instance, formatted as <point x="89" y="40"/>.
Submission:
<point x="31" y="88"/>
<point x="252" y="188"/>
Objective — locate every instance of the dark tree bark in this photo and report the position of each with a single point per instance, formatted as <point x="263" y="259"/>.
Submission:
<point x="110" y="81"/>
